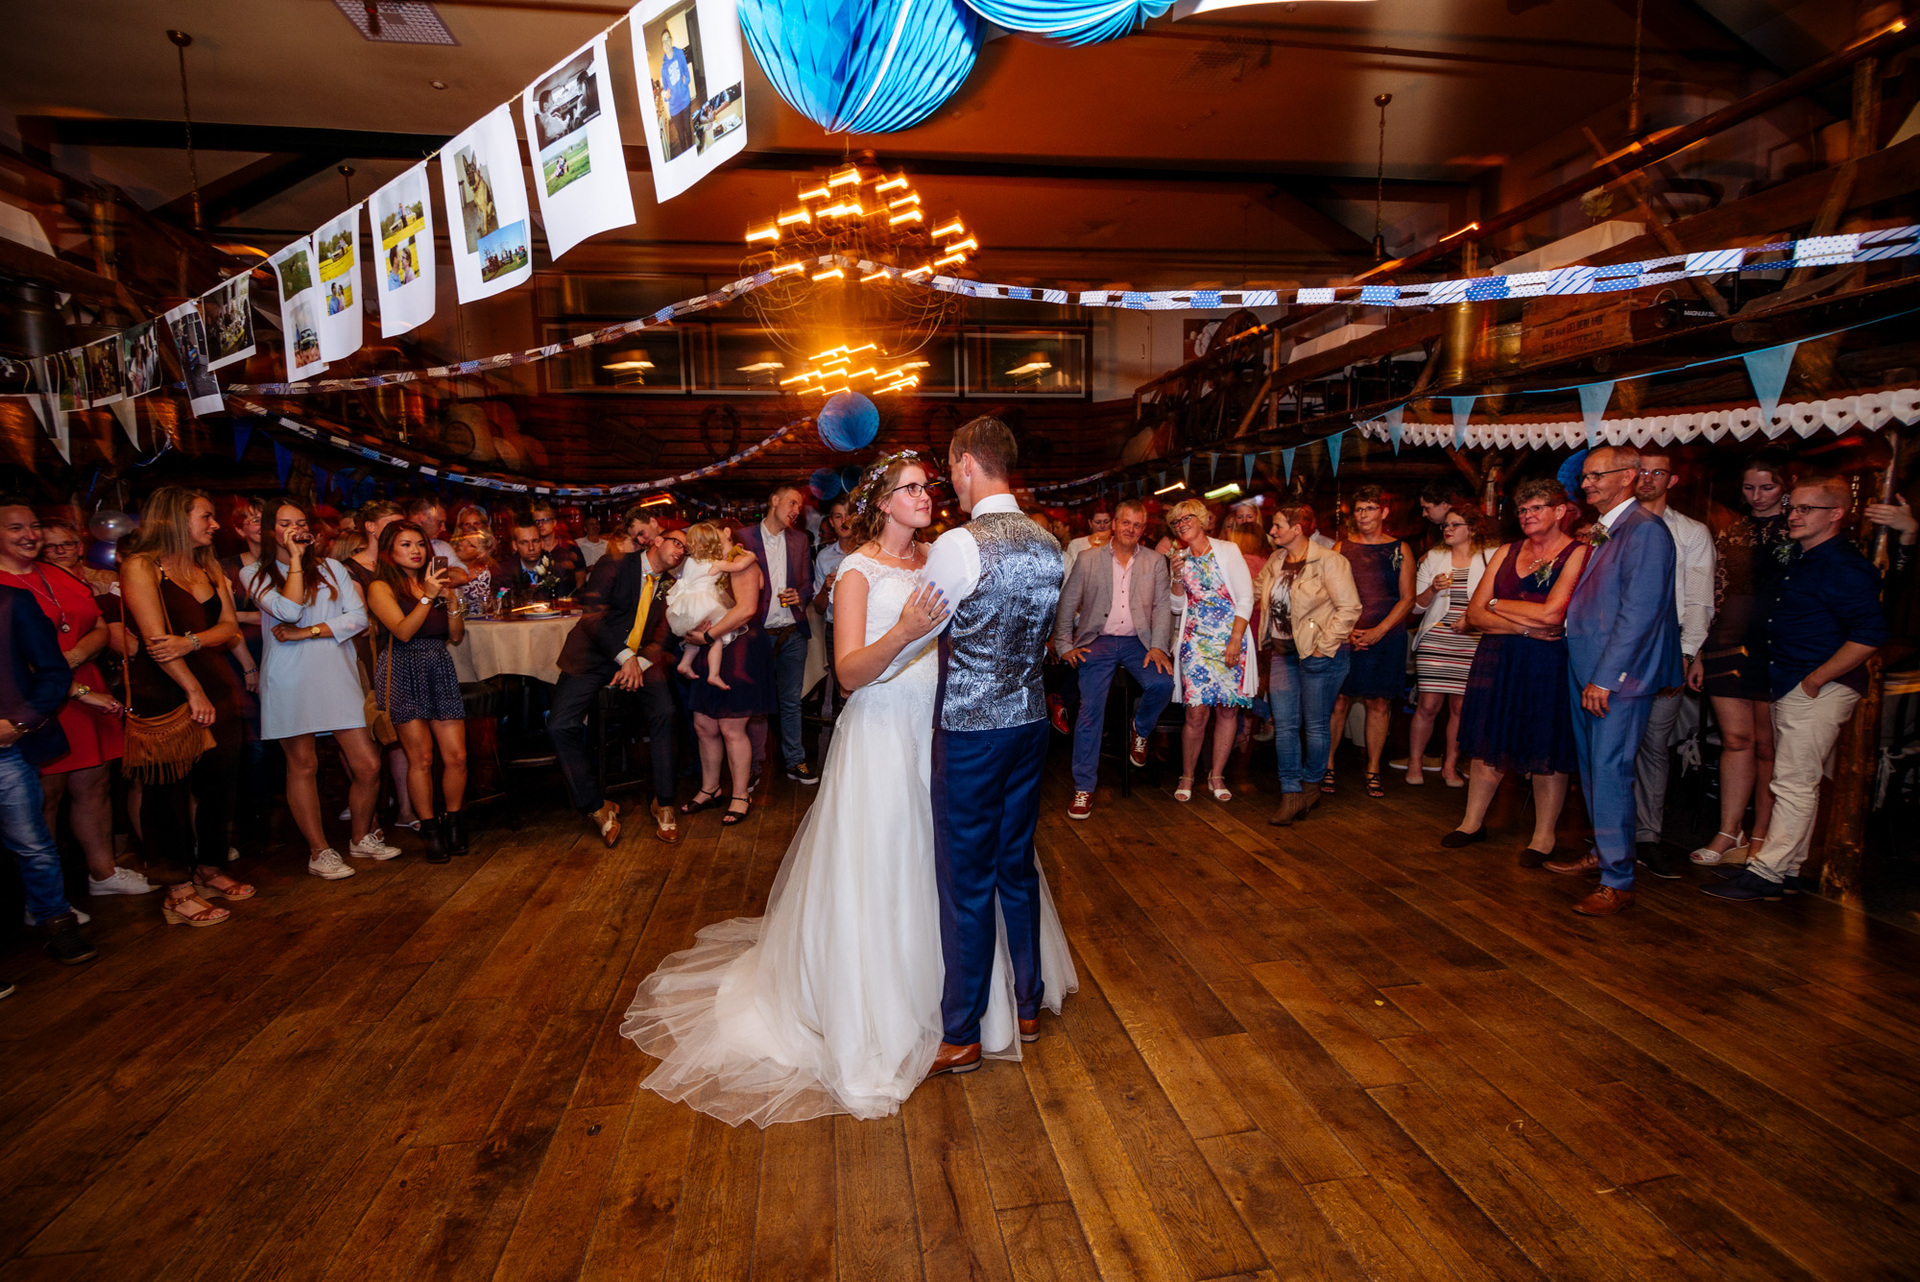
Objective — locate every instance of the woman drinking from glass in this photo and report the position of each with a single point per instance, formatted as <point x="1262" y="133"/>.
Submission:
<point x="310" y="682"/>
<point x="1444" y="645"/>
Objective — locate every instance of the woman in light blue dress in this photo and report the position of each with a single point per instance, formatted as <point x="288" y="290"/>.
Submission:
<point x="1214" y="669"/>
<point x="309" y="682"/>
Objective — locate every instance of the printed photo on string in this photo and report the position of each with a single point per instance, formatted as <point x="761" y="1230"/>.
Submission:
<point x="404" y="212"/>
<point x="678" y="74"/>
<point x="68" y="371"/>
<point x="503" y="250"/>
<point x="304" y="341"/>
<point x="190" y="345"/>
<point x="479" y="215"/>
<point x="140" y="359"/>
<point x="719" y="116"/>
<point x="563" y="104"/>
<point x="296" y="275"/>
<point x="229" y="315"/>
<point x="336" y="270"/>
<point x="105" y="378"/>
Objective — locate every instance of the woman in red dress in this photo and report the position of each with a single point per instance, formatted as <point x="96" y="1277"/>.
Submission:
<point x="92" y="720"/>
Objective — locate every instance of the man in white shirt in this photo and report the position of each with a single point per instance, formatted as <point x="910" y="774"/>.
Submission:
<point x="1693" y="602"/>
<point x="784" y="553"/>
<point x="837" y="521"/>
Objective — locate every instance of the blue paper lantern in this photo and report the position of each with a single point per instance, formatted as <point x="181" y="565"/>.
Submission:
<point x="850" y="476"/>
<point x="1569" y="474"/>
<point x="848" y="421"/>
<point x="1069" y="22"/>
<point x="826" y="484"/>
<point x="863" y="66"/>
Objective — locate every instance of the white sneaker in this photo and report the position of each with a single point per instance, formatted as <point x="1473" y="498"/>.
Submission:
<point x="82" y="918"/>
<point x="373" y="846"/>
<point x="124" y="881"/>
<point x="329" y="865"/>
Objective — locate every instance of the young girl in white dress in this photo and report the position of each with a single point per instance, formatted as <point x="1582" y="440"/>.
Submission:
<point x="830" y="1003"/>
<point x="702" y="595"/>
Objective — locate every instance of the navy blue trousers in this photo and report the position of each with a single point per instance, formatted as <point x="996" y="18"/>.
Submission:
<point x="986" y="804"/>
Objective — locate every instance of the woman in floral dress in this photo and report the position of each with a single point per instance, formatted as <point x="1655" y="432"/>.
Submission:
<point x="1215" y="674"/>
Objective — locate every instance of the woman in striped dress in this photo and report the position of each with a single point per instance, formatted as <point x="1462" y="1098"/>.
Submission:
<point x="1444" y="647"/>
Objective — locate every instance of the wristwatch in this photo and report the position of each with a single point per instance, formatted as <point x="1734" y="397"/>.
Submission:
<point x="313" y="631"/>
<point x="195" y="638"/>
<point x="426" y="601"/>
<point x="79" y="692"/>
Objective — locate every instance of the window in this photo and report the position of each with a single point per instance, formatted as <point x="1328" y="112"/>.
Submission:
<point x="1027" y="363"/>
<point x="650" y="361"/>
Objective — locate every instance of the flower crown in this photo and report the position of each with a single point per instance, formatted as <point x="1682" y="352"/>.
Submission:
<point x="867" y="493"/>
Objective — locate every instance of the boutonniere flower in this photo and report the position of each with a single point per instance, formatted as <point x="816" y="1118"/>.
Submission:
<point x="1594" y="535"/>
<point x="1784" y="550"/>
<point x="1399" y="553"/>
<point x="1542" y="575"/>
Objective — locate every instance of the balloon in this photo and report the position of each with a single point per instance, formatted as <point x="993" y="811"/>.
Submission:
<point x="848" y="421"/>
<point x="826" y="484"/>
<point x="110" y="526"/>
<point x="1569" y="474"/>
<point x="104" y="556"/>
<point x="850" y="477"/>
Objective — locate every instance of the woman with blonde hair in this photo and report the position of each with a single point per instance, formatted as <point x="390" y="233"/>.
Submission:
<point x="179" y="604"/>
<point x="1215" y="671"/>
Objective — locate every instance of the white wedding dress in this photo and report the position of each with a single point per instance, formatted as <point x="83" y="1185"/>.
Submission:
<point x="831" y="1002"/>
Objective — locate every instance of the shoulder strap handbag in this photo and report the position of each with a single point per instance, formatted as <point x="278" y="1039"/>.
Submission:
<point x="162" y="749"/>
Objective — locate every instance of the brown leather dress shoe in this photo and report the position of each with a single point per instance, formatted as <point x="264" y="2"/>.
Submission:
<point x="606" y="821"/>
<point x="666" y="824"/>
<point x="955" y="1059"/>
<point x="1587" y="863"/>
<point x="1030" y="1030"/>
<point x="1604" y="902"/>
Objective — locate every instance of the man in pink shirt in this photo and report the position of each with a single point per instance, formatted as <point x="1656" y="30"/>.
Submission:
<point x="1115" y="613"/>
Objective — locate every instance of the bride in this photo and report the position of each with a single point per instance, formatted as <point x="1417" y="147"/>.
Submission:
<point x="831" y="1002"/>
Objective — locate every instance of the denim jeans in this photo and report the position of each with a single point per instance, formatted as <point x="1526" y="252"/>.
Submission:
<point x="23" y="826"/>
<point x="1107" y="656"/>
<point x="789" y="671"/>
<point x="1302" y="691"/>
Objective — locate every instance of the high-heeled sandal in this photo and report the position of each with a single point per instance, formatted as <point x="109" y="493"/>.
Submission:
<point x="1183" y="791"/>
<point x="732" y="817"/>
<point x="1326" y="783"/>
<point x="1217" y="785"/>
<point x="1707" y="856"/>
<point x="1376" y="787"/>
<point x="175" y="913"/>
<point x="695" y="806"/>
<point x="234" y="890"/>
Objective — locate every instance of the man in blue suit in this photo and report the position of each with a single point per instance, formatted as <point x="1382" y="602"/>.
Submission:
<point x="1623" y="649"/>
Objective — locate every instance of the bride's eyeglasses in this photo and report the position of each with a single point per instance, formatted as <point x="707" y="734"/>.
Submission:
<point x="914" y="489"/>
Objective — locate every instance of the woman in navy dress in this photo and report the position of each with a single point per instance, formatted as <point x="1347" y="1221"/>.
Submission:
<point x="1517" y="715"/>
<point x="1377" y="671"/>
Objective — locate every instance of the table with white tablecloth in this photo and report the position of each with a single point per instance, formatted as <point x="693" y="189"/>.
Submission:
<point x="526" y="647"/>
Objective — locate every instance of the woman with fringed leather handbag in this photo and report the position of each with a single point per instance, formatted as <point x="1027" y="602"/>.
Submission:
<point x="183" y="727"/>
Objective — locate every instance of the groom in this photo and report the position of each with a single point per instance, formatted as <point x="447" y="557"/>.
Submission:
<point x="1001" y="573"/>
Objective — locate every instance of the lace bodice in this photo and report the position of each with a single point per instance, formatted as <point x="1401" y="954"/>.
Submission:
<point x="888" y="588"/>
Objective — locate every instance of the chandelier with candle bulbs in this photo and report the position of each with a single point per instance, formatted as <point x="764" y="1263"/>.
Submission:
<point x="855" y="324"/>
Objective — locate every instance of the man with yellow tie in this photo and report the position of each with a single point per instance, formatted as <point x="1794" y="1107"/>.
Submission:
<point x="625" y="643"/>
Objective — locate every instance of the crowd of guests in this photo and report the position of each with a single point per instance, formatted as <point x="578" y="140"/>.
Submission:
<point x="155" y="691"/>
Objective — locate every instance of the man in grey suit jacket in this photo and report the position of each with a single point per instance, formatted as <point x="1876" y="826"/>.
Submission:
<point x="1115" y="613"/>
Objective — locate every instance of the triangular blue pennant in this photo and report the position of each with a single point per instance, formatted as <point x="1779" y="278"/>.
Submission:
<point x="1593" y="403"/>
<point x="242" y="434"/>
<point x="1213" y="469"/>
<point x="1186" y="469"/>
<point x="1333" y="452"/>
<point x="1768" y="370"/>
<point x="1286" y="461"/>
<point x="322" y="481"/>
<point x="282" y="462"/>
<point x="1396" y="423"/>
<point x="1462" y="407"/>
<point x="1246" y="462"/>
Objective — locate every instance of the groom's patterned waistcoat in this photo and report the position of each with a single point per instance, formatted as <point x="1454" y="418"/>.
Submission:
<point x="990" y="656"/>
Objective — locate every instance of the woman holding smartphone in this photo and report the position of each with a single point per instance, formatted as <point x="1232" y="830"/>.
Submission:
<point x="311" y="611"/>
<point x="413" y="678"/>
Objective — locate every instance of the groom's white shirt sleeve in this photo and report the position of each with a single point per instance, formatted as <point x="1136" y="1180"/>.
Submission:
<point x="953" y="566"/>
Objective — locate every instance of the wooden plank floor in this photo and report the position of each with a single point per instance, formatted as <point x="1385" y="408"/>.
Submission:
<point x="1334" y="1051"/>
